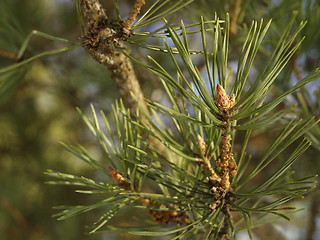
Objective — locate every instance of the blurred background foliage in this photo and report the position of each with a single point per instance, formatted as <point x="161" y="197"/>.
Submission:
<point x="38" y="100"/>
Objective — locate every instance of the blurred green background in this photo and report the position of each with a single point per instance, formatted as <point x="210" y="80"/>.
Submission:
<point x="38" y="101"/>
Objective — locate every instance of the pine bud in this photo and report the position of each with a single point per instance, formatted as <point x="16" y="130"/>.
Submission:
<point x="225" y="102"/>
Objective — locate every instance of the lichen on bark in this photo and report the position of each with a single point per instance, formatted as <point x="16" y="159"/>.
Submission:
<point x="104" y="40"/>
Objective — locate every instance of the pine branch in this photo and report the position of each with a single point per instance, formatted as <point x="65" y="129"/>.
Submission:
<point x="201" y="181"/>
<point x="104" y="39"/>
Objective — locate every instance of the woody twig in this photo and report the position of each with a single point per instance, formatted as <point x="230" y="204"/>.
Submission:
<point x="134" y="13"/>
<point x="103" y="39"/>
<point x="9" y="55"/>
<point x="160" y="216"/>
<point x="235" y="16"/>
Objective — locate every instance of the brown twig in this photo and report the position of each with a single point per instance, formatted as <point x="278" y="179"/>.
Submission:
<point x="206" y="161"/>
<point x="235" y="16"/>
<point x="9" y="55"/>
<point x="14" y="212"/>
<point x="160" y="216"/>
<point x="133" y="14"/>
<point x="104" y="41"/>
<point x="104" y="37"/>
<point x="296" y="68"/>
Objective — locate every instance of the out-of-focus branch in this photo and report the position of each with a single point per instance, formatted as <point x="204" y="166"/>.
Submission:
<point x="8" y="55"/>
<point x="314" y="214"/>
<point x="235" y="16"/>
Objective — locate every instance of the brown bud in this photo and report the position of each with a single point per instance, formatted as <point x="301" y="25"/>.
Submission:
<point x="121" y="181"/>
<point x="202" y="144"/>
<point x="224" y="101"/>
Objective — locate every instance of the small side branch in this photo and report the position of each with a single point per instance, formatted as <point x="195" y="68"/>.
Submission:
<point x="206" y="161"/>
<point x="160" y="216"/>
<point x="235" y="16"/>
<point x="9" y="55"/>
<point x="133" y="14"/>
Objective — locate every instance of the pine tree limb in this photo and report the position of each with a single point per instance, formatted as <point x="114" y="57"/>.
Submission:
<point x="104" y="38"/>
<point x="104" y="41"/>
<point x="160" y="216"/>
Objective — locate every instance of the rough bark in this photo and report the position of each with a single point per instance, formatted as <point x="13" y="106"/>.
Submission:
<point x="104" y="39"/>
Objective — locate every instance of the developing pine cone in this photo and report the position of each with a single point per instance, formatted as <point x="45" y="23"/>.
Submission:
<point x="224" y="101"/>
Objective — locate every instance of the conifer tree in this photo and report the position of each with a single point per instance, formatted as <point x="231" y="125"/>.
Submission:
<point x="184" y="162"/>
